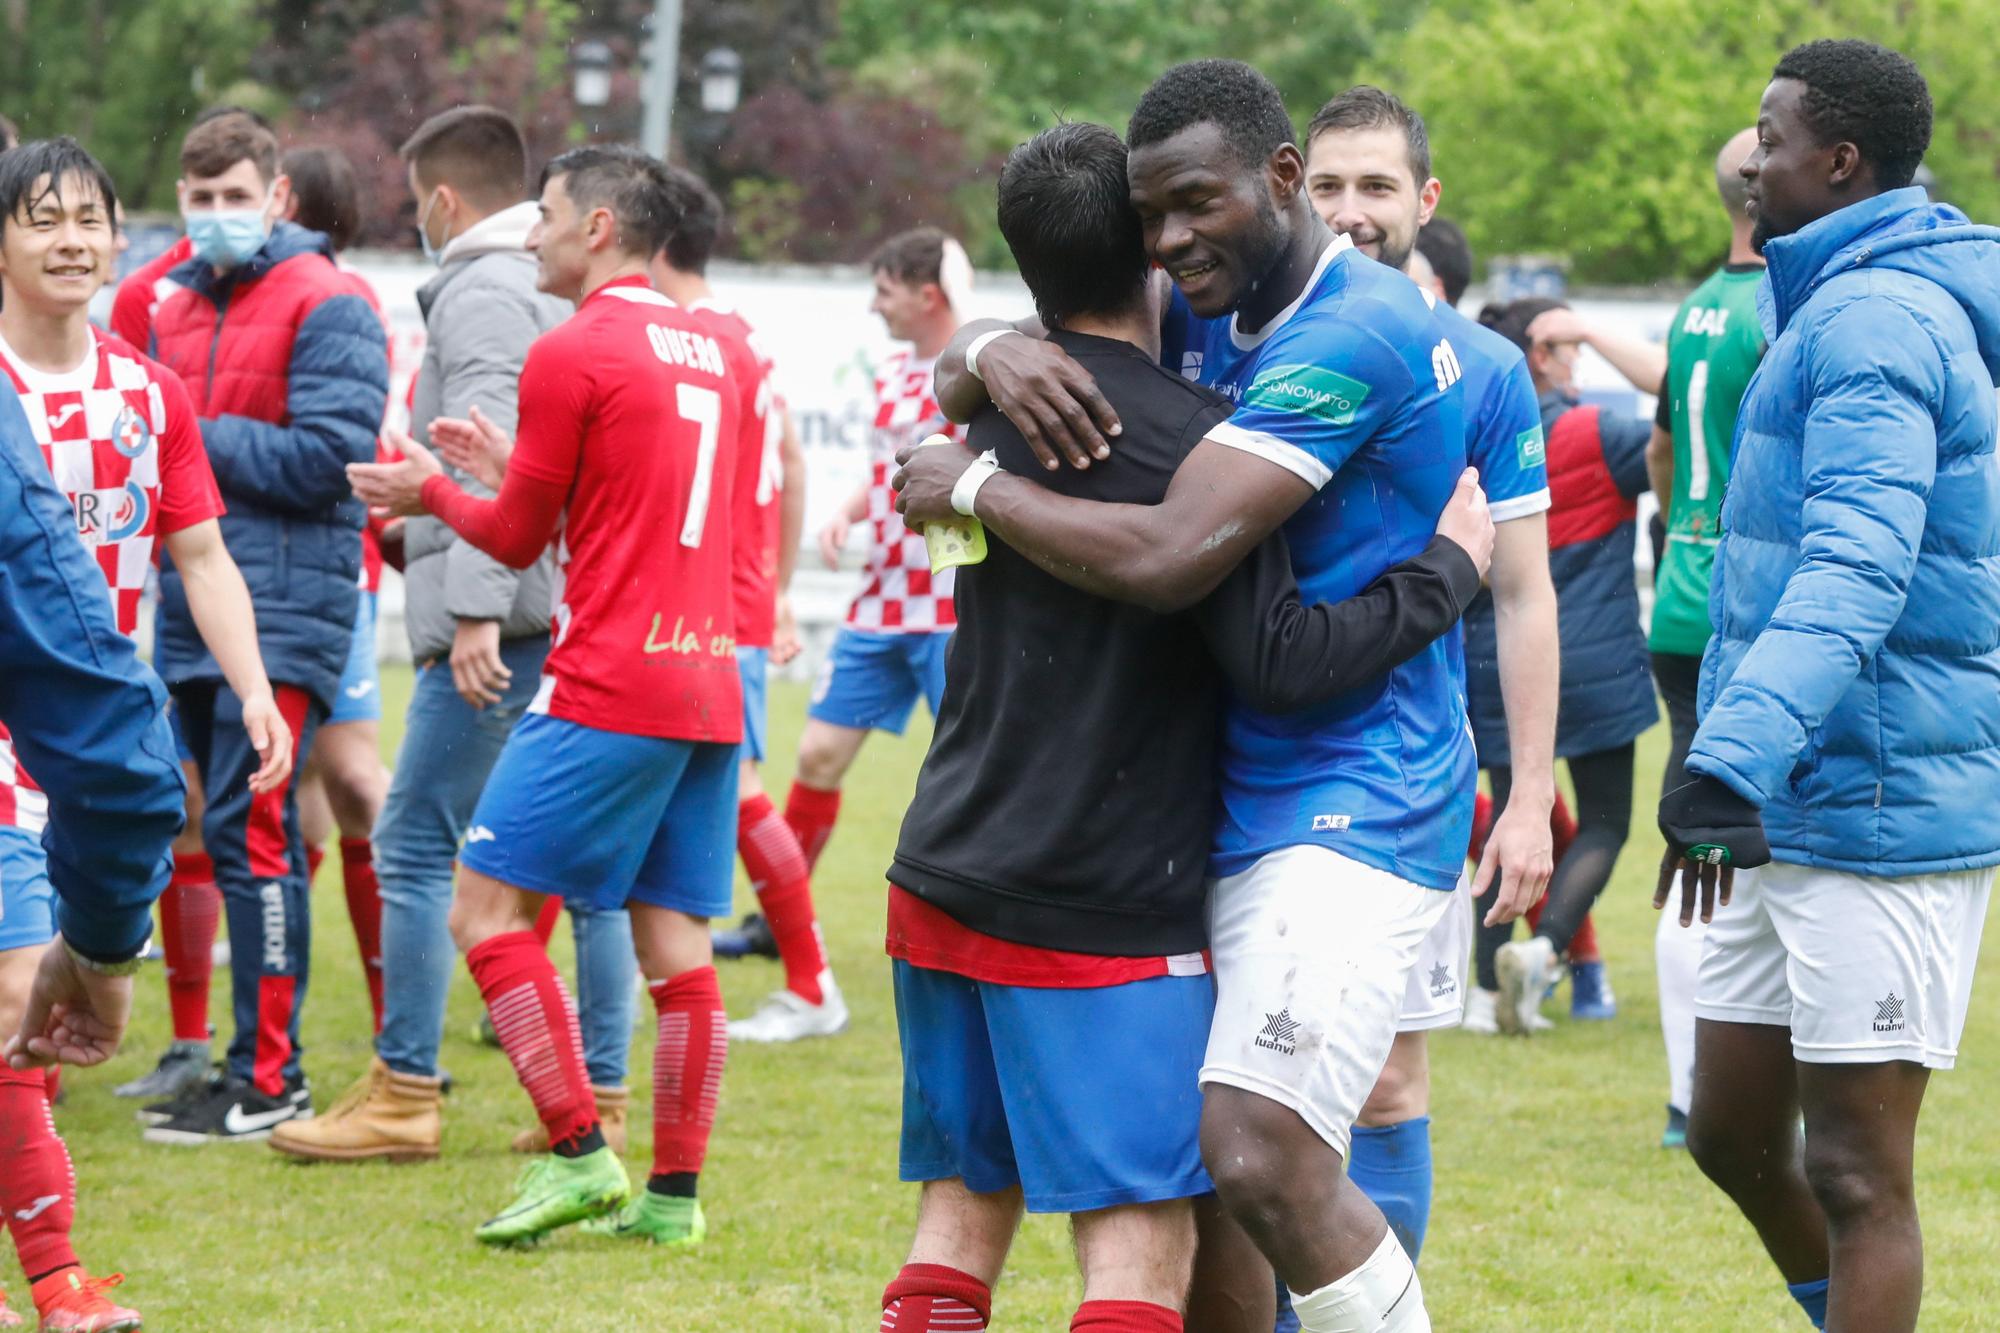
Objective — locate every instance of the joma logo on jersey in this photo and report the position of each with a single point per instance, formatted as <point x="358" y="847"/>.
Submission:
<point x="1327" y="394"/>
<point x="1709" y="323"/>
<point x="1530" y="448"/>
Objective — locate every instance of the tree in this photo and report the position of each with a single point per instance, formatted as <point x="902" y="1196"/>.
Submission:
<point x="1590" y="131"/>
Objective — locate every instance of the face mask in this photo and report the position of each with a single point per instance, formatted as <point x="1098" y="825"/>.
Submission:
<point x="433" y="253"/>
<point x="226" y="237"/>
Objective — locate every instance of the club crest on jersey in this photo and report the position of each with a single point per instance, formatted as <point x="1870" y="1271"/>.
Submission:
<point x="131" y="433"/>
<point x="1313" y="390"/>
<point x="1191" y="365"/>
<point x="111" y="516"/>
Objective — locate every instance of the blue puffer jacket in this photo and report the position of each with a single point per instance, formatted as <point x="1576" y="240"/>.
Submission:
<point x="1852" y="689"/>
<point x="289" y="371"/>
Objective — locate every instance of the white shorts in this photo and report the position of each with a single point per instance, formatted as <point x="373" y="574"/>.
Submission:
<point x="1435" y="994"/>
<point x="1312" y="954"/>
<point x="1862" y="970"/>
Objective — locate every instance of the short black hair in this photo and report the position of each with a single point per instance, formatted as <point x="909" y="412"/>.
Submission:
<point x="1866" y="95"/>
<point x="1366" y="107"/>
<point x="1067" y="215"/>
<point x="1228" y="94"/>
<point x="31" y="172"/>
<point x="1510" y="319"/>
<point x="1442" y="243"/>
<point x="632" y="184"/>
<point x="328" y="194"/>
<point x="477" y="150"/>
<point x="698" y="221"/>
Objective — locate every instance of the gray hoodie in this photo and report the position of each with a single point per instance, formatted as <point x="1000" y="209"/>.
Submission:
<point x="481" y="312"/>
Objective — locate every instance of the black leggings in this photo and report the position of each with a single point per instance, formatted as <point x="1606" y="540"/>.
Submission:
<point x="1603" y="783"/>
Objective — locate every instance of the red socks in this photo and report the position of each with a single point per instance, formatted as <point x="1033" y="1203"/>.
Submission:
<point x="37" y="1183"/>
<point x="687" y="1068"/>
<point x="536" y="1022"/>
<point x="811" y="812"/>
<point x="189" y="911"/>
<point x="545" y="922"/>
<point x="364" y="909"/>
<point x="931" y="1298"/>
<point x="1124" y="1317"/>
<point x="783" y="885"/>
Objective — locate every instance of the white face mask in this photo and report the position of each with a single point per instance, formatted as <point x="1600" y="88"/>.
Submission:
<point x="227" y="237"/>
<point x="433" y="253"/>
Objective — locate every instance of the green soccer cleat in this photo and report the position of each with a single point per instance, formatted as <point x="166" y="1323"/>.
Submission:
<point x="553" y="1192"/>
<point x="659" y="1218"/>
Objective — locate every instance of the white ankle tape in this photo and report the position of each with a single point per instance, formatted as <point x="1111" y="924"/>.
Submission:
<point x="1381" y="1296"/>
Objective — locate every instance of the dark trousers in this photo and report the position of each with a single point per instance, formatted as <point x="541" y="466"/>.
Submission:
<point x="1679" y="677"/>
<point x="260" y="866"/>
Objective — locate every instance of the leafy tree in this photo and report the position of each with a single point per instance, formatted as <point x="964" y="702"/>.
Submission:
<point x="1590" y="131"/>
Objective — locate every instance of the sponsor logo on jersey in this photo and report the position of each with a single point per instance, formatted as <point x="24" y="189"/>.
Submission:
<point x="111" y="515"/>
<point x="1889" y="1014"/>
<point x="1280" y="1034"/>
<point x="1313" y="390"/>
<point x="1530" y="448"/>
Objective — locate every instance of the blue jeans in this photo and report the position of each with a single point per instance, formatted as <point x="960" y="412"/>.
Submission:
<point x="448" y="749"/>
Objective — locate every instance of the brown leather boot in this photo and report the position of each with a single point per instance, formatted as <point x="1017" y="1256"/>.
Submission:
<point x="386" y="1115"/>
<point x="611" y="1107"/>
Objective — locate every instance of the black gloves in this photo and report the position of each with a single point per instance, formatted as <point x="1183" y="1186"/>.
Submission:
<point x="1705" y="822"/>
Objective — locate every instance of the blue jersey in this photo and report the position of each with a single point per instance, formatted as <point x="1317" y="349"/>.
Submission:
<point x="1503" y="416"/>
<point x="1355" y="389"/>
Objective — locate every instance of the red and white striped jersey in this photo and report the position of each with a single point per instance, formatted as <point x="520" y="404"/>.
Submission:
<point x="901" y="594"/>
<point x="120" y="437"/>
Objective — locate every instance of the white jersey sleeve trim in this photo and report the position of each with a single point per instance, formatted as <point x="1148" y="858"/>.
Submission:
<point x="1520" y="506"/>
<point x="1273" y="450"/>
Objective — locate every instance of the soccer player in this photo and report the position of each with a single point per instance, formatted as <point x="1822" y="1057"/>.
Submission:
<point x="891" y="650"/>
<point x="618" y="789"/>
<point x="769" y="492"/>
<point x="288" y="368"/>
<point x="479" y="632"/>
<point x="1341" y="825"/>
<point x="1713" y="346"/>
<point x="119" y="435"/>
<point x="1851" y="733"/>
<point x="1039" y="975"/>
<point x="1368" y="173"/>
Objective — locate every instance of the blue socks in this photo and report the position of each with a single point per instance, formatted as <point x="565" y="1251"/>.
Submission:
<point x="1392" y="1165"/>
<point x="1811" y="1297"/>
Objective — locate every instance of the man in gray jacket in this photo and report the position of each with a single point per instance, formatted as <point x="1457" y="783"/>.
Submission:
<point x="478" y="634"/>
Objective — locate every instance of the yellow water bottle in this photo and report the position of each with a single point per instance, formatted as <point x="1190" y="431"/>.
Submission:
<point x="953" y="542"/>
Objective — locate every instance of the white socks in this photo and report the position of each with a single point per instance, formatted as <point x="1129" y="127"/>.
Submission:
<point x="1381" y="1296"/>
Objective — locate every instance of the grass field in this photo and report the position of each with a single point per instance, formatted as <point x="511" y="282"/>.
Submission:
<point x="1556" y="1209"/>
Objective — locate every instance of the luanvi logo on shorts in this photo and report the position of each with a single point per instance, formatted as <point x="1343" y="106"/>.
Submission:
<point x="1889" y="1014"/>
<point x="1441" y="982"/>
<point x="1313" y="390"/>
<point x="1332" y="823"/>
<point x="1280" y="1033"/>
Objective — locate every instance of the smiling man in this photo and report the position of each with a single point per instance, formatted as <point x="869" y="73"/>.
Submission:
<point x="1343" y="828"/>
<point x="1850" y="732"/>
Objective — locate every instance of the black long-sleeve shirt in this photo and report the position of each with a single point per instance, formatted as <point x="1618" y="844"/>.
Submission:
<point x="1069" y="794"/>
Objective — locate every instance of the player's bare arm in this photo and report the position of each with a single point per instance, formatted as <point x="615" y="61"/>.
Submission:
<point x="1519" y="851"/>
<point x="785" y="643"/>
<point x="833" y="536"/>
<point x="1660" y="465"/>
<point x="1165" y="557"/>
<point x="1050" y="399"/>
<point x="220" y="604"/>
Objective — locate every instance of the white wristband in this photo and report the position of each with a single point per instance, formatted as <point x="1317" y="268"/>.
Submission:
<point x="978" y="346"/>
<point x="969" y="481"/>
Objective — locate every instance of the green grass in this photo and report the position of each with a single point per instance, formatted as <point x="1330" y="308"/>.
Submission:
<point x="1555" y="1207"/>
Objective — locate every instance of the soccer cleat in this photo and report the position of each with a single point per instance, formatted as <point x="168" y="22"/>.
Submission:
<point x="9" y="1317"/>
<point x="1676" y="1135"/>
<point x="234" y="1111"/>
<point x="483" y="1031"/>
<point x="386" y="1116"/>
<point x="662" y="1219"/>
<point x="613" y="1106"/>
<point x="1525" y="968"/>
<point x="72" y="1301"/>
<point x="788" y="1016"/>
<point x="1590" y="997"/>
<point x="1479" y="1012"/>
<point x="552" y="1192"/>
<point x="181" y="1068"/>
<point x="751" y="938"/>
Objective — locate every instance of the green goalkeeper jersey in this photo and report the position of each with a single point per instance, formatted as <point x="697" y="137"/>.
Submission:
<point x="1712" y="350"/>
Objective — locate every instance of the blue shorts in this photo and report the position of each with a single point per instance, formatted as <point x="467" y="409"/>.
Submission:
<point x="602" y="818"/>
<point x="872" y="681"/>
<point x="27" y="901"/>
<point x="360" y="696"/>
<point x="1086" y="1099"/>
<point x="755" y="665"/>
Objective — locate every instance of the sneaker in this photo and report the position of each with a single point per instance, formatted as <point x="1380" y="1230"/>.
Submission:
<point x="193" y="1095"/>
<point x="1676" y="1135"/>
<point x="1590" y="997"/>
<point x="179" y="1069"/>
<point x="752" y="937"/>
<point x="788" y="1016"/>
<point x="483" y="1033"/>
<point x="234" y="1111"/>
<point x="72" y="1301"/>
<point x="1479" y="1010"/>
<point x="662" y="1219"/>
<point x="552" y="1192"/>
<point x="1525" y="968"/>
<point x="9" y="1317"/>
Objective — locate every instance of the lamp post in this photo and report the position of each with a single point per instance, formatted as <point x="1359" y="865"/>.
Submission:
<point x="663" y="58"/>
<point x="590" y="63"/>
